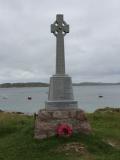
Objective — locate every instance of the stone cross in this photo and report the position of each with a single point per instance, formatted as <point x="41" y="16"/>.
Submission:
<point x="60" y="95"/>
<point x="59" y="28"/>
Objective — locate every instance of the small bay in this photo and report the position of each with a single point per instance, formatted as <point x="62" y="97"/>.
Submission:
<point x="89" y="98"/>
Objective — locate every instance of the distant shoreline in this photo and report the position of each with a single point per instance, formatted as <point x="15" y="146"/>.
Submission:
<point x="40" y="84"/>
<point x="105" y="109"/>
<point x="94" y="84"/>
<point x="20" y="85"/>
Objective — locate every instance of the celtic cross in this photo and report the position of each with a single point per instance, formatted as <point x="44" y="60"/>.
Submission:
<point x="59" y="28"/>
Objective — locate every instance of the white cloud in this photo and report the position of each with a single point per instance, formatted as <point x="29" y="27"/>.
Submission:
<point x="27" y="48"/>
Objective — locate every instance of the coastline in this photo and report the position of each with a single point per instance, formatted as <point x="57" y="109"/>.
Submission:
<point x="105" y="109"/>
<point x="17" y="112"/>
<point x="41" y="84"/>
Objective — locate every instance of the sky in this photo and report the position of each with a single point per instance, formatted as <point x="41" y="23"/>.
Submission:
<point x="28" y="49"/>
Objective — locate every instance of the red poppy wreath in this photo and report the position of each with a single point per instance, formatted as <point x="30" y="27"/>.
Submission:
<point x="64" y="130"/>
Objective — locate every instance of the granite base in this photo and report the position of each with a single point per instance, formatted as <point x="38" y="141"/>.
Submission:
<point x="47" y="121"/>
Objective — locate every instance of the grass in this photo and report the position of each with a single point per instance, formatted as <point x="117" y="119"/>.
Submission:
<point x="17" y="142"/>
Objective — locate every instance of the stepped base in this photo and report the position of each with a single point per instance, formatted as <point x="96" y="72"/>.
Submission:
<point x="60" y="93"/>
<point x="61" y="105"/>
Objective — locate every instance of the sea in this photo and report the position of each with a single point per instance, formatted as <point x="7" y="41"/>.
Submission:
<point x="89" y="98"/>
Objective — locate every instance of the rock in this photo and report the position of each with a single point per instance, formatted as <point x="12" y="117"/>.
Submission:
<point x="72" y="147"/>
<point x="84" y="127"/>
<point x="43" y="115"/>
<point x="60" y="114"/>
<point x="65" y="114"/>
<point x="72" y="114"/>
<point x="57" y="114"/>
<point x="43" y="126"/>
<point x="51" y="133"/>
<point x="40" y="136"/>
<point x="80" y="115"/>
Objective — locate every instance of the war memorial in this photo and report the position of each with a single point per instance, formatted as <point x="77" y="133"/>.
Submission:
<point x="61" y="115"/>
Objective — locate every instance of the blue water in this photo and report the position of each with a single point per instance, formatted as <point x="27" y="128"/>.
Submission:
<point x="16" y="99"/>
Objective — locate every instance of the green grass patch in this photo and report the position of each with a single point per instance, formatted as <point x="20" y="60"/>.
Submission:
<point x="17" y="140"/>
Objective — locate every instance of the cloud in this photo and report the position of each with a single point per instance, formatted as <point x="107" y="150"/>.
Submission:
<point x="27" y="48"/>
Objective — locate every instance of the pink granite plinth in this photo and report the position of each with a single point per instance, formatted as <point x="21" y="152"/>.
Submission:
<point x="47" y="122"/>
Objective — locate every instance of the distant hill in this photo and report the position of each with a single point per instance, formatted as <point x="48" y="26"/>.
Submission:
<point x="93" y="84"/>
<point x="40" y="84"/>
<point x="29" y="84"/>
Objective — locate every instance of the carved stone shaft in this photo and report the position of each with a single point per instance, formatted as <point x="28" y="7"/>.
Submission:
<point x="60" y="57"/>
<point x="59" y="28"/>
